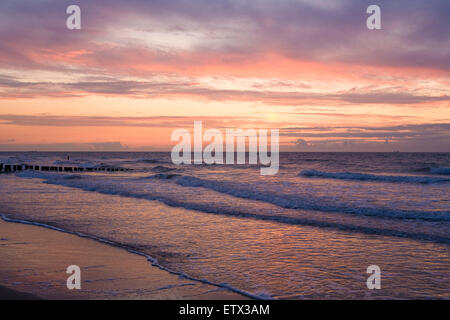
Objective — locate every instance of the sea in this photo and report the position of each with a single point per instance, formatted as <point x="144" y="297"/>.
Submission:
<point x="309" y="232"/>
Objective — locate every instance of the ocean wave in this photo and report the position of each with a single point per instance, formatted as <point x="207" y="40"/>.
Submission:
<point x="162" y="169"/>
<point x="72" y="162"/>
<point x="440" y="170"/>
<point x="311" y="173"/>
<point x="73" y="177"/>
<point x="154" y="262"/>
<point x="307" y="202"/>
<point x="149" y="160"/>
<point x="235" y="189"/>
<point x="163" y="176"/>
<point x="110" y="187"/>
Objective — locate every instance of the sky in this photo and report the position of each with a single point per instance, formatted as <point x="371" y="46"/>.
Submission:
<point x="139" y="69"/>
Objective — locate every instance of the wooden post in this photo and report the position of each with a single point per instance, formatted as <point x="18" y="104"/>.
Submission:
<point x="16" y="167"/>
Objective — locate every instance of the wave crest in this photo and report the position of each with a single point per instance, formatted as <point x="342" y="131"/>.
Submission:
<point x="441" y="170"/>
<point x="311" y="173"/>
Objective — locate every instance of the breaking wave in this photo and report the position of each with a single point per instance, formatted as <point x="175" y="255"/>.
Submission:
<point x="310" y="173"/>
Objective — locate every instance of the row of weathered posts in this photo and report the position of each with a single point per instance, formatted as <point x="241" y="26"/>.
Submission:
<point x="23" y="167"/>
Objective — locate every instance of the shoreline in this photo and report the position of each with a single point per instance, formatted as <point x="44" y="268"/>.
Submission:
<point x="35" y="261"/>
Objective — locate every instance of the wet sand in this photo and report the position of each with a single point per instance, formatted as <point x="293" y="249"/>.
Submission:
<point x="33" y="263"/>
<point x="9" y="294"/>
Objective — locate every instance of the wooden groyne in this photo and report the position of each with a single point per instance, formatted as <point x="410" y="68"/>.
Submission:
<point x="24" y="167"/>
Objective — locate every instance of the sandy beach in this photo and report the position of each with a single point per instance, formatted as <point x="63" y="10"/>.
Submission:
<point x="34" y="261"/>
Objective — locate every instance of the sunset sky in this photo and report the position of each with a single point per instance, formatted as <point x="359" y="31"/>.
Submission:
<point x="139" y="69"/>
